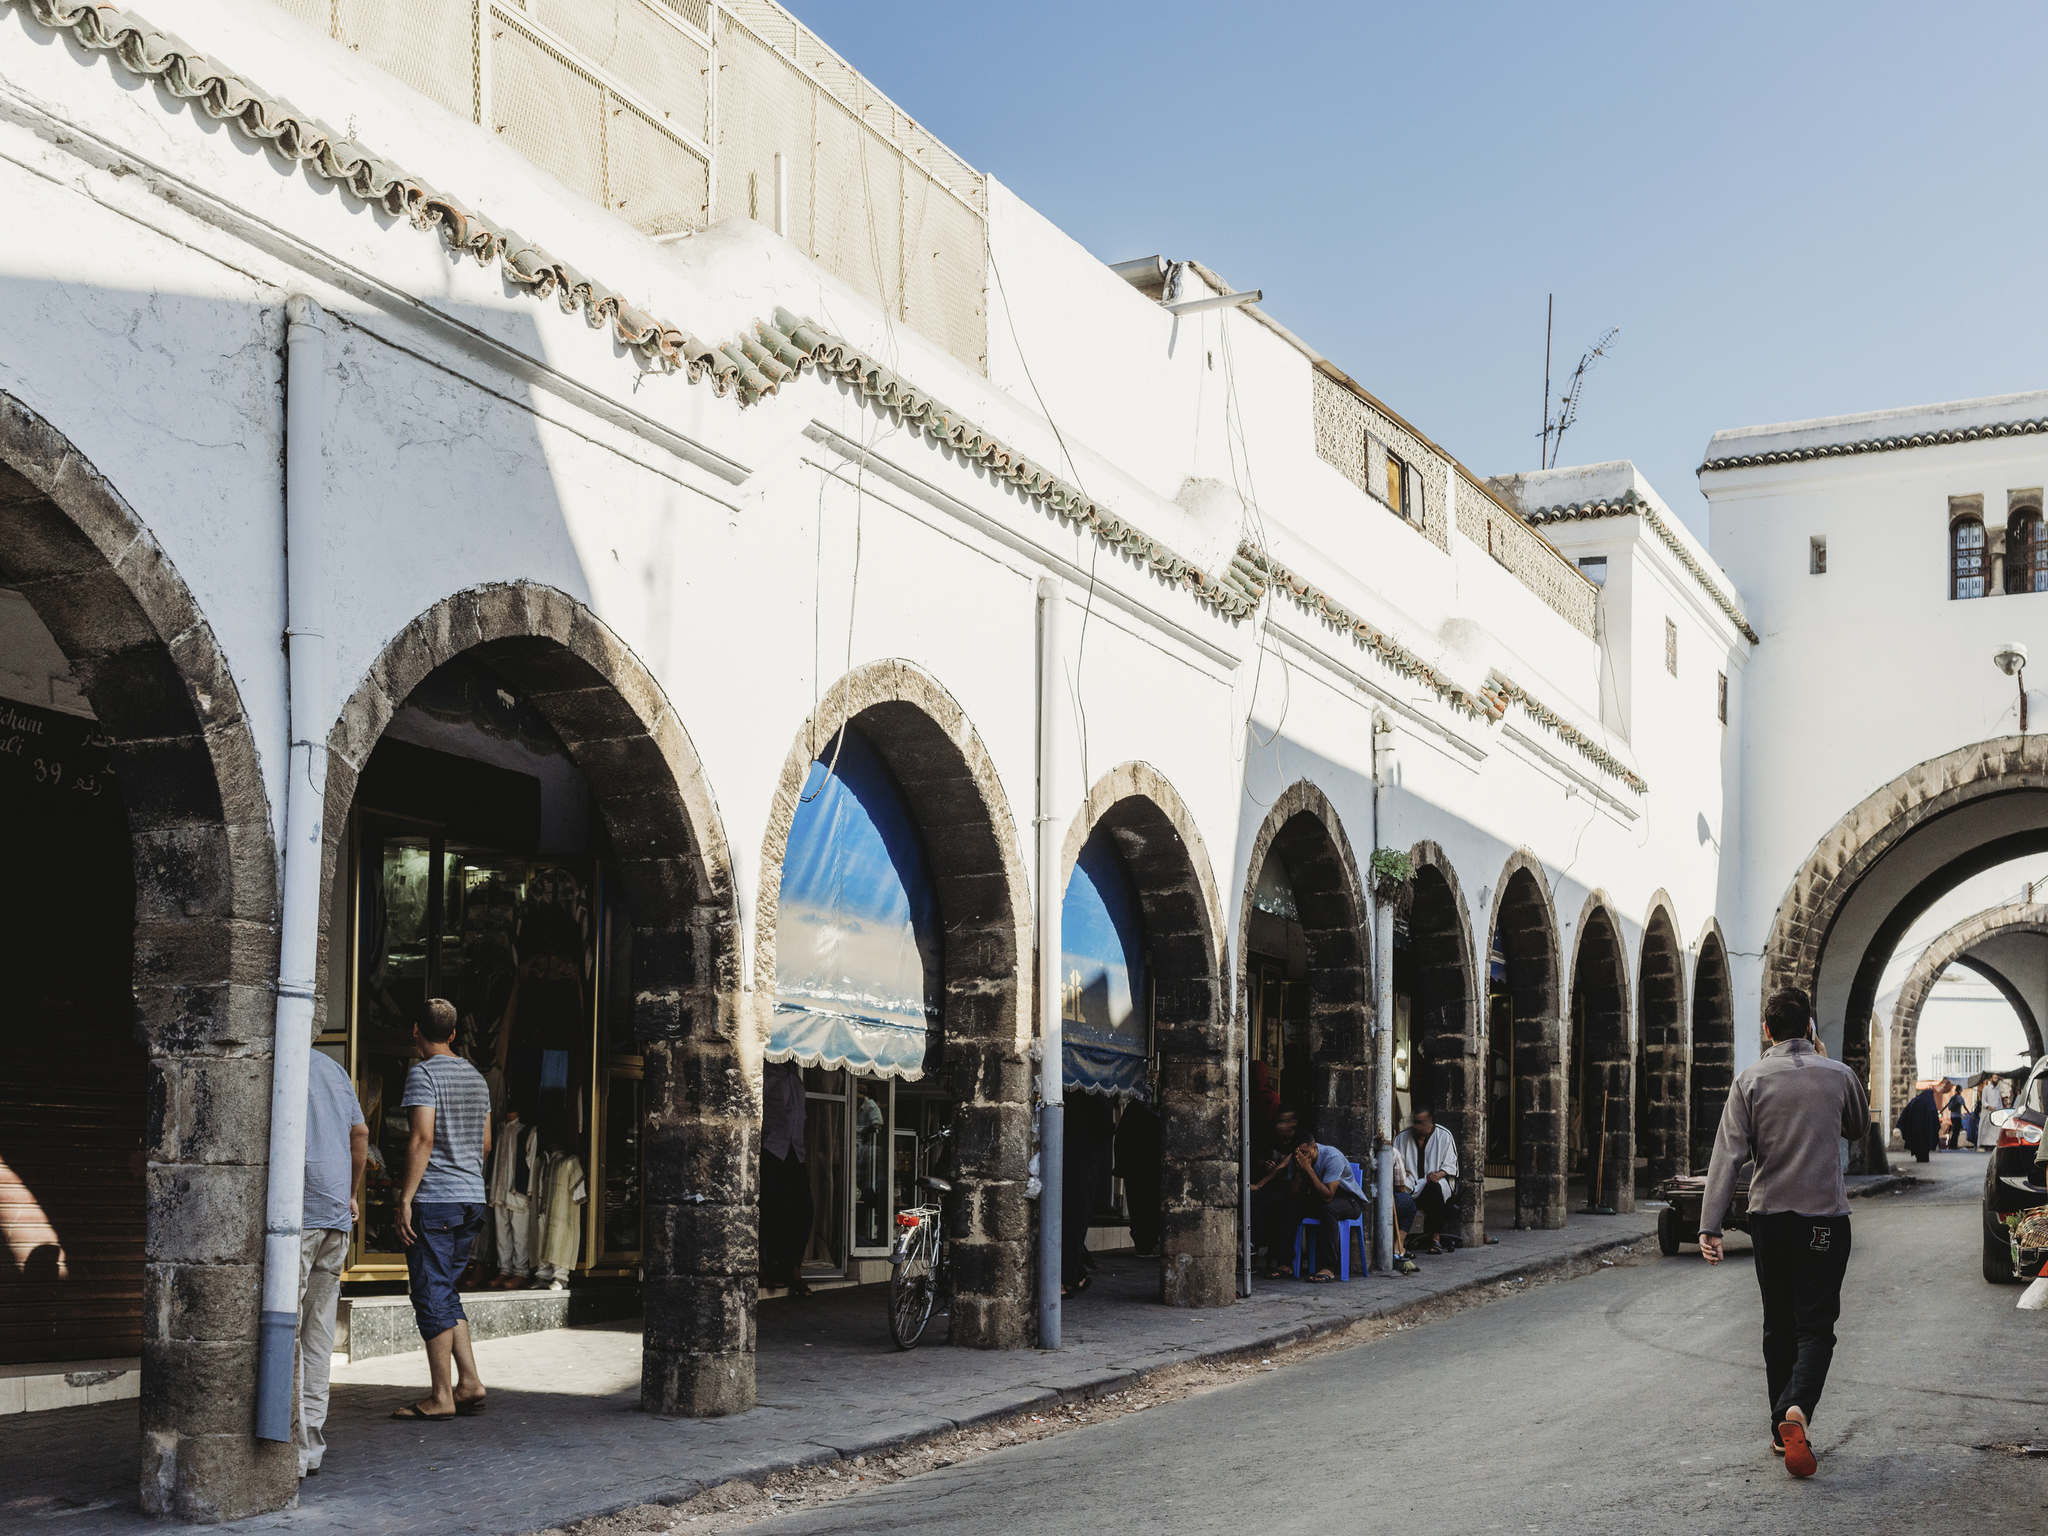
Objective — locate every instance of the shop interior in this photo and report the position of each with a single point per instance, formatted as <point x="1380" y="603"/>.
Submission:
<point x="476" y="872"/>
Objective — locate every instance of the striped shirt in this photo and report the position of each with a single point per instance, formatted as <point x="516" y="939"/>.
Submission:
<point x="455" y="1091"/>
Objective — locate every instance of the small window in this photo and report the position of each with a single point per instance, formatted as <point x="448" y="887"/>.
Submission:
<point x="1966" y="563"/>
<point x="1816" y="556"/>
<point x="2026" y="553"/>
<point x="1671" y="647"/>
<point x="1400" y="485"/>
<point x="1594" y="569"/>
<point x="1721" y="699"/>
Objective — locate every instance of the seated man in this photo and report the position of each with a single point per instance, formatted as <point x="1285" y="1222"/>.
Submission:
<point x="1426" y="1156"/>
<point x="1314" y="1180"/>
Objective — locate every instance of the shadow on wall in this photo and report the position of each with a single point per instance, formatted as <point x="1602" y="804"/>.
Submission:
<point x="436" y="489"/>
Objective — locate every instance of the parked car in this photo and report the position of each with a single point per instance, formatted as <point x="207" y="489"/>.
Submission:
<point x="2010" y="1182"/>
<point x="1679" y="1221"/>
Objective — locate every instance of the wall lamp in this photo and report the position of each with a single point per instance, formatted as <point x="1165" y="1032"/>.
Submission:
<point x="2011" y="659"/>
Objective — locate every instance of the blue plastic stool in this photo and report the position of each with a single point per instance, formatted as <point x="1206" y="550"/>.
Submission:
<point x="1345" y="1229"/>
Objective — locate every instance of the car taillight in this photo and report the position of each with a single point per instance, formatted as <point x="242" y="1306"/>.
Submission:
<point x="2020" y="1134"/>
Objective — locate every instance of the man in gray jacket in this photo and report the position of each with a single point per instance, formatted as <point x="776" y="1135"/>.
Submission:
<point x="1787" y="1113"/>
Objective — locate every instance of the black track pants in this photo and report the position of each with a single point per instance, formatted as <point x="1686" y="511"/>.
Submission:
<point x="1800" y="1261"/>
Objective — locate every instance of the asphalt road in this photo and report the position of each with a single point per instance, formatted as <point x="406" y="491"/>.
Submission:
<point x="1628" y="1401"/>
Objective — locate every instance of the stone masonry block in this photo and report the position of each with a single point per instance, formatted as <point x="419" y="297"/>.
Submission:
<point x="199" y="1387"/>
<point x="214" y="1303"/>
<point x="205" y="1214"/>
<point x="209" y="1109"/>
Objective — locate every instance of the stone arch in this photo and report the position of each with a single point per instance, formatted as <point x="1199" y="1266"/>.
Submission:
<point x="2008" y="769"/>
<point x="203" y="955"/>
<point x="1950" y="949"/>
<point x="1602" y="1063"/>
<point x="1524" y="926"/>
<point x="1198" y="1094"/>
<point x="669" y="855"/>
<point x="1713" y="1039"/>
<point x="1663" y="1047"/>
<point x="963" y="817"/>
<point x="1445" y="1029"/>
<point x="1303" y="830"/>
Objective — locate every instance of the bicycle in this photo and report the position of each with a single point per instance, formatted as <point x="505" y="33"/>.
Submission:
<point x="920" y="1273"/>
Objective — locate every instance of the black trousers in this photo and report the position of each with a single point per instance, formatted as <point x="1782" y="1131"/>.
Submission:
<point x="1431" y="1203"/>
<point x="1800" y="1261"/>
<point x="1279" y="1210"/>
<point x="785" y="1217"/>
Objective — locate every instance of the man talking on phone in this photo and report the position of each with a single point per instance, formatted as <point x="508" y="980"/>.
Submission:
<point x="1786" y="1113"/>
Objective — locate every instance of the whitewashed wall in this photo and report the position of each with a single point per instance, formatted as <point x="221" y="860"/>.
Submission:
<point x="477" y="434"/>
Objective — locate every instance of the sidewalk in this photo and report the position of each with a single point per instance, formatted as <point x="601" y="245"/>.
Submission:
<point x="564" y="1438"/>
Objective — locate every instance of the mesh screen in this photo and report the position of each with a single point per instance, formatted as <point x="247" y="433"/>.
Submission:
<point x="631" y="45"/>
<point x="317" y="14"/>
<point x="763" y="106"/>
<point x="696" y="12"/>
<point x="658" y="185"/>
<point x="429" y="44"/>
<point x="944" y="261"/>
<point x="548" y="110"/>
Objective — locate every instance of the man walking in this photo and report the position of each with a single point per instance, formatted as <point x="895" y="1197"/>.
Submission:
<point x="1787" y="1113"/>
<point x="441" y="1208"/>
<point x="337" y="1147"/>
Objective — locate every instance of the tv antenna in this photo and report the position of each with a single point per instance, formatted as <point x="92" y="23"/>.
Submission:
<point x="1567" y="403"/>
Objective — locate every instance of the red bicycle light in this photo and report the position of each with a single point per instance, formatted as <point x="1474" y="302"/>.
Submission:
<point x="905" y="1219"/>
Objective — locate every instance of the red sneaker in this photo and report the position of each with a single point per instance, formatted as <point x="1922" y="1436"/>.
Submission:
<point x="1798" y="1453"/>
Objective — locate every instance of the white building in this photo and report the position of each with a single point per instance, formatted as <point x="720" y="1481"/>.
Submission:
<point x="569" y="616"/>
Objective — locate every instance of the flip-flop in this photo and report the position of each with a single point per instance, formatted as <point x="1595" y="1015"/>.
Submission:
<point x="469" y="1408"/>
<point x="412" y="1411"/>
<point x="1798" y="1454"/>
<point x="1321" y="1277"/>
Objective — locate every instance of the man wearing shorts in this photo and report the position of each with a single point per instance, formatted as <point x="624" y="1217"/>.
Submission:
<point x="441" y="1209"/>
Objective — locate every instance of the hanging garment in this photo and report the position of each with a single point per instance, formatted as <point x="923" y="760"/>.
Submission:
<point x="561" y="1218"/>
<point x="514" y="1212"/>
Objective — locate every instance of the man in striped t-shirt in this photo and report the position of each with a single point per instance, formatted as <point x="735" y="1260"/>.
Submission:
<point x="441" y="1208"/>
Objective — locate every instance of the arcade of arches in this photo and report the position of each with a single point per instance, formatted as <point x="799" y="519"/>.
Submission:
<point x="515" y="817"/>
<point x="1885" y="863"/>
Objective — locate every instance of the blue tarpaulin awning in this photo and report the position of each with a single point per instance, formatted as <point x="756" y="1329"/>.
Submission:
<point x="857" y="937"/>
<point x="1102" y="954"/>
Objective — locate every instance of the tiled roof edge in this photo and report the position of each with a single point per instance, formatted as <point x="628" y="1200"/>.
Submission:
<point x="1258" y="572"/>
<point x="752" y="366"/>
<point x="1629" y="504"/>
<point x="2029" y="428"/>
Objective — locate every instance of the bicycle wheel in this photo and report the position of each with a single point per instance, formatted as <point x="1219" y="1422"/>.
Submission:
<point x="911" y="1289"/>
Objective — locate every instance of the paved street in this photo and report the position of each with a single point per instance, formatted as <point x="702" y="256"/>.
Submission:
<point x="1631" y="1400"/>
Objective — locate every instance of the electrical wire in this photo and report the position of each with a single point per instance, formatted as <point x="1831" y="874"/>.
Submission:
<point x="1074" y="699"/>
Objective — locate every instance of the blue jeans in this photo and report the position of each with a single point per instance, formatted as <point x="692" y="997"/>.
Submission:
<point x="443" y="1233"/>
<point x="1404" y="1210"/>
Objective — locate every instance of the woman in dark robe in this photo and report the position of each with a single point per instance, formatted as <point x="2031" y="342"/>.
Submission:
<point x="1920" y="1124"/>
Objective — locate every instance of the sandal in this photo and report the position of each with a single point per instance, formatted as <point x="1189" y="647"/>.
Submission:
<point x="1321" y="1277"/>
<point x="413" y="1411"/>
<point x="470" y="1407"/>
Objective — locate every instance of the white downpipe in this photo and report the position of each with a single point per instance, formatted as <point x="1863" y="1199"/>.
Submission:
<point x="305" y="792"/>
<point x="1383" y="1020"/>
<point x="1052" y="1114"/>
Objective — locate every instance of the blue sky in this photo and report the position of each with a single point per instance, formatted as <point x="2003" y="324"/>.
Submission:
<point x="1790" y="210"/>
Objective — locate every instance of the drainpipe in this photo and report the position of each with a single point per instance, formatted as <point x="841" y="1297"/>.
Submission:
<point x="1052" y="1115"/>
<point x="305" y="792"/>
<point x="1383" y="1021"/>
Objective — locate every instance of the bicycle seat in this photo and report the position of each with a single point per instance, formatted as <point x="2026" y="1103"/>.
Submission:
<point x="936" y="1185"/>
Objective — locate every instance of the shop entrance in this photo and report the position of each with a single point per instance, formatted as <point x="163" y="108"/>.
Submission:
<point x="476" y="871"/>
<point x="73" y="1073"/>
<point x="859" y="989"/>
<point x="1603" y="1102"/>
<point x="1437" y="1062"/>
<point x="1525" y="1098"/>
